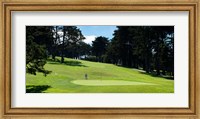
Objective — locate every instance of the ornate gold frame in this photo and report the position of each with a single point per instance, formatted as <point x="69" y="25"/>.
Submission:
<point x="192" y="6"/>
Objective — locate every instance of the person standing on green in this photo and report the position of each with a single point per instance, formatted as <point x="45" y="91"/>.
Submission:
<point x="86" y="76"/>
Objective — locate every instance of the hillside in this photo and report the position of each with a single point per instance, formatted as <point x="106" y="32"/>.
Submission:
<point x="69" y="77"/>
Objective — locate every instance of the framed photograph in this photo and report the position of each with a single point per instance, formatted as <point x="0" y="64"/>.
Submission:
<point x="103" y="59"/>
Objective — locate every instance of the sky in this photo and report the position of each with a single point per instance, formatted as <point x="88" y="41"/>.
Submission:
<point x="90" y="32"/>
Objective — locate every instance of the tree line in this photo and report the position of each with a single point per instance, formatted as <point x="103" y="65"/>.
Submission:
<point x="150" y="48"/>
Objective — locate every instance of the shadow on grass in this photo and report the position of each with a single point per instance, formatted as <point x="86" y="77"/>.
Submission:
<point x="36" y="88"/>
<point x="74" y="63"/>
<point x="154" y="75"/>
<point x="69" y="63"/>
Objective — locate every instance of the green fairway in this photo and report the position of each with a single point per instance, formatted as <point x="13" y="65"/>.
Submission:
<point x="69" y="77"/>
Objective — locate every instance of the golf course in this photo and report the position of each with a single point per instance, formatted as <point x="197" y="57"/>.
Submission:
<point x="99" y="59"/>
<point x="79" y="76"/>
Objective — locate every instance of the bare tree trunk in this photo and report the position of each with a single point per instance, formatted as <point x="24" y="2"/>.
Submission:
<point x="63" y="46"/>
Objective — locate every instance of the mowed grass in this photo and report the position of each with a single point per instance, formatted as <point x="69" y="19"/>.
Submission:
<point x="69" y="77"/>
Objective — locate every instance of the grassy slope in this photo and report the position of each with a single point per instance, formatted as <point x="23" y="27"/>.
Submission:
<point x="60" y="80"/>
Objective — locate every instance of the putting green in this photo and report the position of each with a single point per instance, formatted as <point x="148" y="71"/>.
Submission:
<point x="107" y="82"/>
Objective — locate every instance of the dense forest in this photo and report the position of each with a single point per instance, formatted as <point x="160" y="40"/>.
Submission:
<point x="150" y="48"/>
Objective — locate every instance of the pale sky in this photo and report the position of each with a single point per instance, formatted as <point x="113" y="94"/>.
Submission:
<point x="90" y="32"/>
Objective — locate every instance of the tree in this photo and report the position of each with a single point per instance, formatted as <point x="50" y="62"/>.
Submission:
<point x="99" y="47"/>
<point x="122" y="43"/>
<point x="146" y="47"/>
<point x="71" y="38"/>
<point x="161" y="45"/>
<point x="56" y="41"/>
<point x="38" y="40"/>
<point x="112" y="54"/>
<point x="83" y="49"/>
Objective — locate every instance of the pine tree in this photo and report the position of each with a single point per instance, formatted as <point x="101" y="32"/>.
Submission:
<point x="36" y="48"/>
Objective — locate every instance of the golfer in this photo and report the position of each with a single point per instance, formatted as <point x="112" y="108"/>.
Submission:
<point x="86" y="76"/>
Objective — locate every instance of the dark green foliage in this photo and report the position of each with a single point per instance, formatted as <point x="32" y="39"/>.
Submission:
<point x="45" y="41"/>
<point x="77" y="50"/>
<point x="148" y="47"/>
<point x="72" y="38"/>
<point x="38" y="40"/>
<point x="83" y="49"/>
<point x="99" y="47"/>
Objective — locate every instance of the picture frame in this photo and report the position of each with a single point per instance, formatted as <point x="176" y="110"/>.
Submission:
<point x="98" y="5"/>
